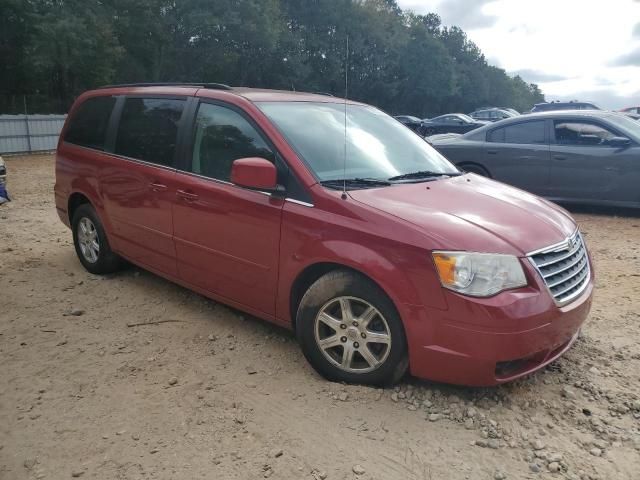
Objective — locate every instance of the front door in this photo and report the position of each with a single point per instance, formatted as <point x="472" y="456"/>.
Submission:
<point x="227" y="237"/>
<point x="583" y="166"/>
<point x="138" y="181"/>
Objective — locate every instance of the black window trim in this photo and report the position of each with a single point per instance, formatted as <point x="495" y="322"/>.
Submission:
<point x="593" y="121"/>
<point x="183" y="164"/>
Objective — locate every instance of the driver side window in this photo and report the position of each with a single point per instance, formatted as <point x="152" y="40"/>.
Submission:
<point x="222" y="135"/>
<point x="569" y="132"/>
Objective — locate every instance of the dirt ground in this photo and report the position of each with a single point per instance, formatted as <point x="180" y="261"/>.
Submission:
<point x="220" y="395"/>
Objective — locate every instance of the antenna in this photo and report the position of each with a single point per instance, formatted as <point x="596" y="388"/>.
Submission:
<point x="346" y="94"/>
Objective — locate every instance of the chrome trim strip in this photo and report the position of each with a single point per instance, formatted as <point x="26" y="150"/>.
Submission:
<point x="203" y="177"/>
<point x="564" y="269"/>
<point x="578" y="292"/>
<point x="143" y="162"/>
<point x="553" y="247"/>
<point x="562" y="258"/>
<point x="583" y="274"/>
<point x="222" y="182"/>
<point x="122" y="157"/>
<point x="299" y="202"/>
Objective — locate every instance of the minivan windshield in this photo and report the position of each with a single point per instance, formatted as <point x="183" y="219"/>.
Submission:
<point x="378" y="147"/>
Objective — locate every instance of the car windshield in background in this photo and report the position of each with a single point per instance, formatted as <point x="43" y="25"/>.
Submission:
<point x="378" y="147"/>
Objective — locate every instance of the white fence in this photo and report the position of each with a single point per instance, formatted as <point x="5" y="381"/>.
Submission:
<point x="29" y="133"/>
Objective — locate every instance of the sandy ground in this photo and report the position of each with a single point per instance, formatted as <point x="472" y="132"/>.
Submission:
<point x="221" y="395"/>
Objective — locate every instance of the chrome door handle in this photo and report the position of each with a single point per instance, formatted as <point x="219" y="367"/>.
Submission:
<point x="187" y="196"/>
<point x="157" y="187"/>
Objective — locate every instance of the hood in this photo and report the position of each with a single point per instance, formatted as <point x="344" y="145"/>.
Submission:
<point x="473" y="213"/>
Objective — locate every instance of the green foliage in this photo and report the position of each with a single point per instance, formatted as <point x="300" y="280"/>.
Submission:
<point x="399" y="61"/>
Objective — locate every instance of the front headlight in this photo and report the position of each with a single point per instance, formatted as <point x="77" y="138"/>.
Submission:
<point x="479" y="274"/>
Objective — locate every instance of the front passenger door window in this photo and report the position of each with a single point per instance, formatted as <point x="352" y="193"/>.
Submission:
<point x="222" y="135"/>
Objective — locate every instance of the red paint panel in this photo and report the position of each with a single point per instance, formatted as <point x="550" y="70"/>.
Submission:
<point x="227" y="240"/>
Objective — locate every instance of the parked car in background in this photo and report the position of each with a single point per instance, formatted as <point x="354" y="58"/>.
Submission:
<point x="557" y="105"/>
<point x="414" y="123"/>
<point x="512" y="110"/>
<point x="635" y="110"/>
<point x="588" y="157"/>
<point x="635" y="116"/>
<point x="246" y="196"/>
<point x="450" y="123"/>
<point x="508" y="109"/>
<point x="492" y="114"/>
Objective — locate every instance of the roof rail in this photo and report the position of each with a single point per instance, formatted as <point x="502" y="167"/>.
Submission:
<point x="212" y="86"/>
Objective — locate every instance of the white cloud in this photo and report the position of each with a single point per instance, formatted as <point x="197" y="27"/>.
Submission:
<point x="570" y="47"/>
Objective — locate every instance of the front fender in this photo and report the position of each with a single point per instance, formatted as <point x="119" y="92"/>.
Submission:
<point x="405" y="273"/>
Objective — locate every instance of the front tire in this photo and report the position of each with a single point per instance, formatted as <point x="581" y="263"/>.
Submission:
<point x="477" y="169"/>
<point x="90" y="241"/>
<point x="350" y="331"/>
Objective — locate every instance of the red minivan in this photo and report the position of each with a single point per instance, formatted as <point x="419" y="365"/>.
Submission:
<point x="327" y="217"/>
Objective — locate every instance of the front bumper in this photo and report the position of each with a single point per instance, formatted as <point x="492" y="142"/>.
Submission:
<point x="484" y="342"/>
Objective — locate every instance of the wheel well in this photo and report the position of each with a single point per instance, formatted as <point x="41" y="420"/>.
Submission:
<point x="307" y="277"/>
<point x="75" y="200"/>
<point x="475" y="165"/>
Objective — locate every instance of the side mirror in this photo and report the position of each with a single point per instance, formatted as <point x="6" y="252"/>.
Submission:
<point x="620" y="142"/>
<point x="255" y="173"/>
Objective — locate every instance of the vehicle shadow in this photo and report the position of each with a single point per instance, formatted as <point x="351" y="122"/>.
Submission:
<point x="600" y="210"/>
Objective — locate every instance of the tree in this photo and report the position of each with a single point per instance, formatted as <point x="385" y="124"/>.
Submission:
<point x="399" y="61"/>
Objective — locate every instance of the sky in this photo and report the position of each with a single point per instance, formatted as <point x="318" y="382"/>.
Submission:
<point x="585" y="50"/>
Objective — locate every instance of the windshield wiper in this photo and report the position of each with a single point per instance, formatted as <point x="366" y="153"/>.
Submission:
<point x="356" y="182"/>
<point x="423" y="174"/>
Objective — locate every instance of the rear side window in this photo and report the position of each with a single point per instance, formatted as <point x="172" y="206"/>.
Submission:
<point x="521" y="133"/>
<point x="88" y="126"/>
<point x="496" y="136"/>
<point x="148" y="129"/>
<point x="221" y="136"/>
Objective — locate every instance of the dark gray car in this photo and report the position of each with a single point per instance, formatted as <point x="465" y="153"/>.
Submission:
<point x="574" y="156"/>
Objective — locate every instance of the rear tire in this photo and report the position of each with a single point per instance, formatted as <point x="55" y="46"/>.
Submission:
<point x="477" y="169"/>
<point x="350" y="331"/>
<point x="91" y="243"/>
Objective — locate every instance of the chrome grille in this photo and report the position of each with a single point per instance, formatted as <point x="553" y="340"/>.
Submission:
<point x="564" y="268"/>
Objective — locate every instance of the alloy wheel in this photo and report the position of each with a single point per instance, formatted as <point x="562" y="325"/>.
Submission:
<point x="88" y="240"/>
<point x="352" y="334"/>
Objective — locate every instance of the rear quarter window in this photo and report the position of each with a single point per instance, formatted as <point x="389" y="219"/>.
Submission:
<point x="88" y="125"/>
